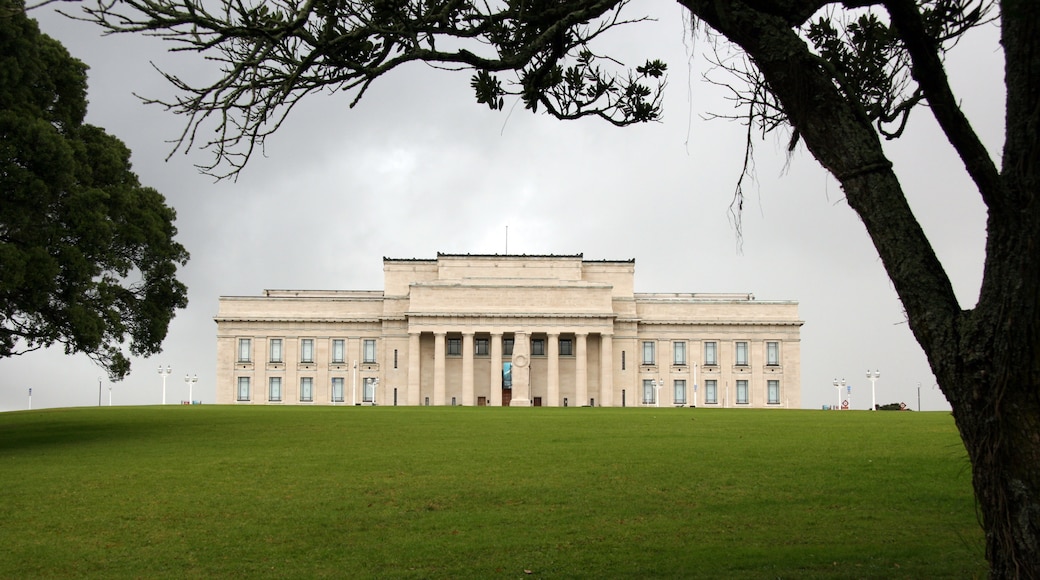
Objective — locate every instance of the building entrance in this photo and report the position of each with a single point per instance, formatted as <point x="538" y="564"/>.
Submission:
<point x="507" y="396"/>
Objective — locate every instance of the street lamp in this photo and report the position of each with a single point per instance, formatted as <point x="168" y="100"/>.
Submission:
<point x="873" y="380"/>
<point x="839" y="385"/>
<point x="918" y="397"/>
<point x="657" y="392"/>
<point x="99" y="391"/>
<point x="191" y="380"/>
<point x="164" y="375"/>
<point x="30" y="398"/>
<point x="109" y="394"/>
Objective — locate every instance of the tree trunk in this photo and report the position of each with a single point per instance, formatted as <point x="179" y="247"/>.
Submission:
<point x="987" y="360"/>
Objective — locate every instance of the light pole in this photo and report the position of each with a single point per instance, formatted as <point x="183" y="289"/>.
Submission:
<point x="109" y="394"/>
<point x="873" y="380"/>
<point x="99" y="391"/>
<point x="191" y="380"/>
<point x="839" y="386"/>
<point x="164" y="375"/>
<point x="918" y="397"/>
<point x="353" y="386"/>
<point x="30" y="398"/>
<point x="695" y="385"/>
<point x="657" y="392"/>
<point x="375" y="386"/>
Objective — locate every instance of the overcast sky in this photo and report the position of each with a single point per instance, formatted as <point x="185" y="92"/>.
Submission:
<point x="419" y="167"/>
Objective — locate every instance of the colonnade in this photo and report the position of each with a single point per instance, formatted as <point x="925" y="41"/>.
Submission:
<point x="521" y="360"/>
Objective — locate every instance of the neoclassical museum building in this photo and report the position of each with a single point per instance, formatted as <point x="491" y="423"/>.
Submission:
<point x="508" y="330"/>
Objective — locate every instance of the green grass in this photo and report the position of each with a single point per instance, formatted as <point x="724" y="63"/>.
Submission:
<point x="209" y="491"/>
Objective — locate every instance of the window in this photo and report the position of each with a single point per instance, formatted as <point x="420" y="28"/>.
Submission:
<point x="622" y="360"/>
<point x="454" y="346"/>
<point x="339" y="351"/>
<point x="711" y="392"/>
<point x="307" y="350"/>
<point x="507" y="346"/>
<point x="773" y="354"/>
<point x="537" y="347"/>
<point x="243" y="388"/>
<point x="648" y="392"/>
<point x="680" y="391"/>
<point x="307" y="389"/>
<point x="566" y="347"/>
<point x="369" y="394"/>
<point x="648" y="352"/>
<point x="741" y="356"/>
<point x="276" y="350"/>
<point x="711" y="353"/>
<point x="370" y="350"/>
<point x="774" y="392"/>
<point x="742" y="393"/>
<point x="337" y="389"/>
<point x="679" y="353"/>
<point x="480" y="347"/>
<point x="244" y="346"/>
<point x="395" y="358"/>
<point x="274" y="389"/>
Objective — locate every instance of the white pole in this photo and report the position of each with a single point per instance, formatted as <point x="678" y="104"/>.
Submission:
<point x="353" y="396"/>
<point x="169" y="370"/>
<point x="30" y="398"/>
<point x="110" y="395"/>
<point x="694" y="384"/>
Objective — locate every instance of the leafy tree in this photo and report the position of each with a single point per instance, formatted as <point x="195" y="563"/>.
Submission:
<point x="87" y="254"/>
<point x="840" y="75"/>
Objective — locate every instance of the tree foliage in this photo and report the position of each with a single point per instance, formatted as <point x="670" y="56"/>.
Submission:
<point x="841" y="75"/>
<point x="87" y="256"/>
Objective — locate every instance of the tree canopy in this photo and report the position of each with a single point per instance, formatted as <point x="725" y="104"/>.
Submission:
<point x="87" y="254"/>
<point x="841" y="75"/>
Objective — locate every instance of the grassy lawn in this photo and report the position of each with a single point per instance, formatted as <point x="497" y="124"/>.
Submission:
<point x="210" y="491"/>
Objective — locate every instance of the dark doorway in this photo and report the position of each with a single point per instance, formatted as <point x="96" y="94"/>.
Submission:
<point x="482" y="401"/>
<point x="537" y="401"/>
<point x="507" y="395"/>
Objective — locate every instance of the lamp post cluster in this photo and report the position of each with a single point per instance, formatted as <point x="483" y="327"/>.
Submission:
<point x="839" y="385"/>
<point x="873" y="381"/>
<point x="164" y="374"/>
<point x="191" y="380"/>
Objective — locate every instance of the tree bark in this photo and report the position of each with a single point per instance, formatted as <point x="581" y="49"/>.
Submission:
<point x="987" y="359"/>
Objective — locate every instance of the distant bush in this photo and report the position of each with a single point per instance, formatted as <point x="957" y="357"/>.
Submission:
<point x="894" y="407"/>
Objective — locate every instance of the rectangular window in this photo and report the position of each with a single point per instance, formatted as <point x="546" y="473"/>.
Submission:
<point x="711" y="392"/>
<point x="481" y="347"/>
<point x="566" y="347"/>
<point x="773" y="354"/>
<point x="243" y="388"/>
<point x="680" y="391"/>
<point x="244" y="348"/>
<point x="337" y="389"/>
<point x="454" y="346"/>
<point x="711" y="353"/>
<point x="370" y="350"/>
<point x="507" y="346"/>
<point x="648" y="352"/>
<point x="395" y="358"/>
<point x="648" y="392"/>
<point x="774" y="392"/>
<point x="679" y="353"/>
<point x="622" y="360"/>
<point x="307" y="350"/>
<point x="537" y="347"/>
<point x="274" y="389"/>
<point x="276" y="350"/>
<point x="307" y="389"/>
<point x="741" y="354"/>
<point x="742" y="393"/>
<point x="369" y="394"/>
<point x="339" y="350"/>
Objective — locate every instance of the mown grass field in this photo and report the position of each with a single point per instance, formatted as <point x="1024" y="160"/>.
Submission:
<point x="395" y="492"/>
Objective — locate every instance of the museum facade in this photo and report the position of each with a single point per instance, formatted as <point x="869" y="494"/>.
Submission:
<point x="508" y="330"/>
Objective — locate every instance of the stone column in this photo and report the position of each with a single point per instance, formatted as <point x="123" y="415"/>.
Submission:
<point x="495" y="396"/>
<point x="414" y="369"/>
<point x="467" y="369"/>
<point x="553" y="391"/>
<point x="606" y="370"/>
<point x="581" y="371"/>
<point x="521" y="370"/>
<point x="439" y="379"/>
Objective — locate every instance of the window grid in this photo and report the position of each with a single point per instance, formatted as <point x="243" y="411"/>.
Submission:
<point x="742" y="392"/>
<point x="773" y="354"/>
<point x="454" y="346"/>
<point x="648" y="352"/>
<point x="243" y="388"/>
<point x="370" y="351"/>
<point x="711" y="392"/>
<point x="711" y="353"/>
<point x="307" y="350"/>
<point x="274" y="392"/>
<point x="679" y="353"/>
<point x="741" y="354"/>
<point x="244" y="348"/>
<point x="566" y="347"/>
<point x="680" y="391"/>
<point x="369" y="394"/>
<point x="537" y="347"/>
<point x="306" y="389"/>
<point x="276" y="350"/>
<point x="774" y="392"/>
<point x="337" y="389"/>
<point x="481" y="347"/>
<point x="648" y="392"/>
<point x="339" y="351"/>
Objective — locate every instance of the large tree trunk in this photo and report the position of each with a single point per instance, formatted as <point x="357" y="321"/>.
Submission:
<point x="987" y="360"/>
